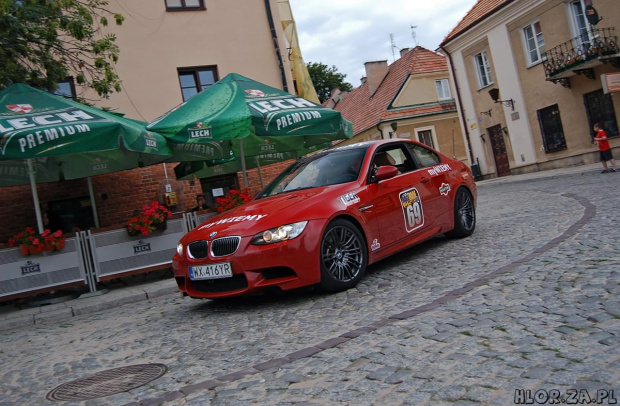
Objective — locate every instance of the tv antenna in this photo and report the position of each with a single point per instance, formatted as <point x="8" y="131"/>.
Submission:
<point x="413" y="27"/>
<point x="393" y="45"/>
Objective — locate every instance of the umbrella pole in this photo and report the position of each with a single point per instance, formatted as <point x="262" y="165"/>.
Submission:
<point x="92" y="201"/>
<point x="260" y="175"/>
<point x="35" y="195"/>
<point x="245" y="175"/>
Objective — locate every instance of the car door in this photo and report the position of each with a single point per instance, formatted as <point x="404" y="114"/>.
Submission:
<point x="402" y="204"/>
<point x="439" y="173"/>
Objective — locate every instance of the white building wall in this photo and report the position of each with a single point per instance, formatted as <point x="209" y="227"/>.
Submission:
<point x="507" y="81"/>
<point x="468" y="111"/>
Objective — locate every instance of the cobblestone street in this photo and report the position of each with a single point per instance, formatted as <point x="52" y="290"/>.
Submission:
<point x="530" y="301"/>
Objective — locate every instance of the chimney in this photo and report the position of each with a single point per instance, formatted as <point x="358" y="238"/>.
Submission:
<point x="404" y="51"/>
<point x="375" y="72"/>
<point x="336" y="95"/>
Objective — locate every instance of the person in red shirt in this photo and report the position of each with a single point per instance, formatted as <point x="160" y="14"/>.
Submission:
<point x="604" y="149"/>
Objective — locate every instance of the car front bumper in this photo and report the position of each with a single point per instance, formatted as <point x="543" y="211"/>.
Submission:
<point x="284" y="265"/>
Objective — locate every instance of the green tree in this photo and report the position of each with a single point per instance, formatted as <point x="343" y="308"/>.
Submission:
<point x="325" y="79"/>
<point x="46" y="41"/>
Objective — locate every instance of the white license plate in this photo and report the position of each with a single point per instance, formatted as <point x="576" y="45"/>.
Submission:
<point x="211" y="271"/>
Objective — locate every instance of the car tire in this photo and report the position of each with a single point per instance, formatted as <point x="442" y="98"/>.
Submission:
<point x="464" y="215"/>
<point x="343" y="256"/>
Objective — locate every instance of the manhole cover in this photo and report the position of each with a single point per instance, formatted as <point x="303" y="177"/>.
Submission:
<point x="108" y="382"/>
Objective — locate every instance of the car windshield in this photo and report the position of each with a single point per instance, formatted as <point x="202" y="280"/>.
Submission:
<point x="333" y="167"/>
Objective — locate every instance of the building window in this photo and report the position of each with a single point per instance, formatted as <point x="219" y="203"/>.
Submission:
<point x="194" y="80"/>
<point x="185" y="5"/>
<point x="66" y="88"/>
<point x="581" y="27"/>
<point x="534" y="42"/>
<point x="483" y="68"/>
<point x="425" y="136"/>
<point x="443" y="89"/>
<point x="551" y="129"/>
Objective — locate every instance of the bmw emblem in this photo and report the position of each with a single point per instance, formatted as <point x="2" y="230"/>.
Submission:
<point x="213" y="234"/>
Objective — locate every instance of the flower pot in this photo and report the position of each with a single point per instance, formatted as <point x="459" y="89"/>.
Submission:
<point x="132" y="232"/>
<point x="161" y="226"/>
<point x="24" y="250"/>
<point x="60" y="244"/>
<point x="35" y="249"/>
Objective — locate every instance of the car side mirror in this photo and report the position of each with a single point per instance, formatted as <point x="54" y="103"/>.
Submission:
<point x="385" y="172"/>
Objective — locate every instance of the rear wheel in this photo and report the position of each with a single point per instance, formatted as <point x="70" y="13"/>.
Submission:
<point x="464" y="215"/>
<point x="343" y="256"/>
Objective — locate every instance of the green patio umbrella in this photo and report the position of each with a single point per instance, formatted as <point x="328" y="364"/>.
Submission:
<point x="205" y="169"/>
<point x="51" y="138"/>
<point x="249" y="118"/>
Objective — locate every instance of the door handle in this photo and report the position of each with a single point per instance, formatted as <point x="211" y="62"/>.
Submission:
<point x="365" y="208"/>
<point x="425" y="179"/>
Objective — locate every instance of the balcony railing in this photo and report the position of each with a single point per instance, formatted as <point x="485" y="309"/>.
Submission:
<point x="576" y="53"/>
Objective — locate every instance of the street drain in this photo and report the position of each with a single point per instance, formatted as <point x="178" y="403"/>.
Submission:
<point x="108" y="382"/>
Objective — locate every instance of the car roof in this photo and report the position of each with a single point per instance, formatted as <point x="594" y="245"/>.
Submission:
<point x="369" y="144"/>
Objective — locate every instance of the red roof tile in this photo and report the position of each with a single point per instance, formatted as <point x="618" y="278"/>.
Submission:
<point x="481" y="10"/>
<point x="366" y="111"/>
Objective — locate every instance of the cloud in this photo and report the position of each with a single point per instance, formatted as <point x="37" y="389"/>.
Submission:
<point x="347" y="33"/>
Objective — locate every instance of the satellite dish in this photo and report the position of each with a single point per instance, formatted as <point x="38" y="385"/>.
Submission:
<point x="592" y="15"/>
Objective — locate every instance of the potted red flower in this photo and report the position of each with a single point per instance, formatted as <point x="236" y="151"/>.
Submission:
<point x="234" y="198"/>
<point x="157" y="214"/>
<point x="53" y="241"/>
<point x="138" y="225"/>
<point x="31" y="242"/>
<point x="153" y="217"/>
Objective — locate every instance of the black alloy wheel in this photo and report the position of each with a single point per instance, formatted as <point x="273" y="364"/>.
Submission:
<point x="343" y="256"/>
<point x="464" y="215"/>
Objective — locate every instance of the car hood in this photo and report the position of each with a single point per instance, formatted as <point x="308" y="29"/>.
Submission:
<point x="262" y="214"/>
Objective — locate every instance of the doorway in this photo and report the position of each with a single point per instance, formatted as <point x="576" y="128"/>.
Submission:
<point x="70" y="215"/>
<point x="215" y="187"/>
<point x="498" y="145"/>
<point x="600" y="109"/>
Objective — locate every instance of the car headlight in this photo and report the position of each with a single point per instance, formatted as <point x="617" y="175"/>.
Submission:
<point x="278" y="234"/>
<point x="180" y="249"/>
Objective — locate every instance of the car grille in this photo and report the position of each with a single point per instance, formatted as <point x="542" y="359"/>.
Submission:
<point x="224" y="246"/>
<point x="197" y="249"/>
<point x="237" y="282"/>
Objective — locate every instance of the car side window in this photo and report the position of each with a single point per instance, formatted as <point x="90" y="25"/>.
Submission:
<point x="424" y="157"/>
<point x="393" y="155"/>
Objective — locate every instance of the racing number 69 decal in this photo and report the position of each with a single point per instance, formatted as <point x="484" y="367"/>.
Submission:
<point x="412" y="209"/>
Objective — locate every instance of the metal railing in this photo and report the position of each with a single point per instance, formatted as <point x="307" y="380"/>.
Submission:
<point x="579" y="50"/>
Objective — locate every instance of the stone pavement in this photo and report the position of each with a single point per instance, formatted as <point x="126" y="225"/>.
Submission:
<point x="140" y="288"/>
<point x="529" y="302"/>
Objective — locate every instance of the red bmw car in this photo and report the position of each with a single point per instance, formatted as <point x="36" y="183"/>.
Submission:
<point x="326" y="218"/>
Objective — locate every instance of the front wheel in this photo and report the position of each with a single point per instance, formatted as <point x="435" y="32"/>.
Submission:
<point x="464" y="215"/>
<point x="343" y="256"/>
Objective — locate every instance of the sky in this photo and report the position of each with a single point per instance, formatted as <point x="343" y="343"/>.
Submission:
<point x="348" y="33"/>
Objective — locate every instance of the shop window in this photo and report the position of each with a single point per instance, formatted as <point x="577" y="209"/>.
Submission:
<point x="195" y="80"/>
<point x="551" y="129"/>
